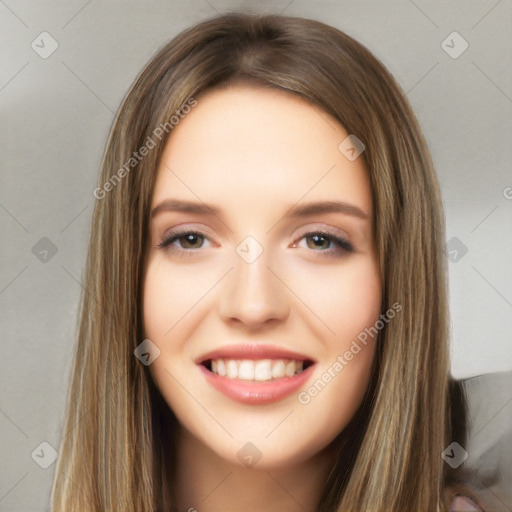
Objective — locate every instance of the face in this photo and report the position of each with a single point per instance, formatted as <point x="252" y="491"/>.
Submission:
<point x="260" y="275"/>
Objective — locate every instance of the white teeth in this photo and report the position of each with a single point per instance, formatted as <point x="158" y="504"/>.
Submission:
<point x="261" y="370"/>
<point x="246" y="370"/>
<point x="278" y="369"/>
<point x="289" y="369"/>
<point x="221" y="367"/>
<point x="232" y="369"/>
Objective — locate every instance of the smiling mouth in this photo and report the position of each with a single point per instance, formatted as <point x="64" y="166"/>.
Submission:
<point x="260" y="370"/>
<point x="256" y="373"/>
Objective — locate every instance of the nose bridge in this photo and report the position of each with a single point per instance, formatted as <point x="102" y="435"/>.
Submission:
<point x="252" y="294"/>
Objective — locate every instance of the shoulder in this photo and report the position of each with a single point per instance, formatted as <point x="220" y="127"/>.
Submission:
<point x="485" y="439"/>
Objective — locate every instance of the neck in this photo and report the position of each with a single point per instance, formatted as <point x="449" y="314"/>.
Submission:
<point x="208" y="483"/>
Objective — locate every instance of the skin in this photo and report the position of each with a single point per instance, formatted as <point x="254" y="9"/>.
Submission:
<point x="253" y="154"/>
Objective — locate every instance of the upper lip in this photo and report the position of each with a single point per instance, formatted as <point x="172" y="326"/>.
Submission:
<point x="252" y="351"/>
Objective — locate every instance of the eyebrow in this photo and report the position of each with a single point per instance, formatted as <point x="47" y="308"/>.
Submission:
<point x="316" y="208"/>
<point x="175" y="205"/>
<point x="304" y="210"/>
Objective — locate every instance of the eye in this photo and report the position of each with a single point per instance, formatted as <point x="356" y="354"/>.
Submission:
<point x="185" y="240"/>
<point x="320" y="241"/>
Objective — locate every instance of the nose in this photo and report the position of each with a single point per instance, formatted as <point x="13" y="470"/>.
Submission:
<point x="252" y="297"/>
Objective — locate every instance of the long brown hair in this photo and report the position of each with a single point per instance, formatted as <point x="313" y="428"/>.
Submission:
<point x="114" y="455"/>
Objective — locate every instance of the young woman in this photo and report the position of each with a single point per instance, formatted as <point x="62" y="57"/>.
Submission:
<point x="264" y="324"/>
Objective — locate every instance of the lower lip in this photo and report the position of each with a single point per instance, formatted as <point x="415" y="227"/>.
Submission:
<point x="257" y="393"/>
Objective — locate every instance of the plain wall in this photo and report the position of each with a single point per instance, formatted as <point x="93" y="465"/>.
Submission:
<point x="55" y="117"/>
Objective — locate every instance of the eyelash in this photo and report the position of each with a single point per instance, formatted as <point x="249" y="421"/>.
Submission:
<point x="340" y="242"/>
<point x="171" y="237"/>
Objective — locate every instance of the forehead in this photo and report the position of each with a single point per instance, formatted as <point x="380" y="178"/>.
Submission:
<point x="259" y="145"/>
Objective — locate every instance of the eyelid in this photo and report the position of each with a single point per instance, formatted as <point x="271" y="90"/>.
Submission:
<point x="320" y="228"/>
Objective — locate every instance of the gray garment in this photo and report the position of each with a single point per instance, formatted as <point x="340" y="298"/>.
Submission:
<point x="489" y="439"/>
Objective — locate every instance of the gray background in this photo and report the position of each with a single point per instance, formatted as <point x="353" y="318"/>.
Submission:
<point x="55" y="117"/>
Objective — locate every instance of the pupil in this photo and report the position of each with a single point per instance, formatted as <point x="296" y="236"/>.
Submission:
<point x="193" y="241"/>
<point x="319" y="242"/>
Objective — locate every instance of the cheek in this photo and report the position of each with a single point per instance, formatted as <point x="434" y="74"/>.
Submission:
<point x="343" y="302"/>
<point x="170" y="294"/>
<point x="175" y="303"/>
<point x="356" y="299"/>
<point x="160" y="304"/>
<point x="348" y="301"/>
<point x="153" y="304"/>
<point x="346" y="298"/>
